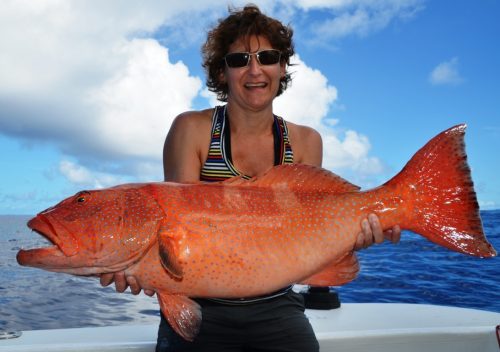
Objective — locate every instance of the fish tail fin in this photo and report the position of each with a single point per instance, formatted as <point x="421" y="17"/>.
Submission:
<point x="440" y="195"/>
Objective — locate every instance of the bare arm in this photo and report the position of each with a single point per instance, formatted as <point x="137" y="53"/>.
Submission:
<point x="186" y="146"/>
<point x="307" y="145"/>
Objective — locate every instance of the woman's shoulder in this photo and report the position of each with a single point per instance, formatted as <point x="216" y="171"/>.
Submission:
<point x="303" y="134"/>
<point x="305" y="131"/>
<point x="189" y="130"/>
<point x="307" y="144"/>
<point x="186" y="145"/>
<point x="193" y="119"/>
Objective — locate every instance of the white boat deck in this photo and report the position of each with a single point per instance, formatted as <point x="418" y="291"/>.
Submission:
<point x="395" y="327"/>
<point x="373" y="327"/>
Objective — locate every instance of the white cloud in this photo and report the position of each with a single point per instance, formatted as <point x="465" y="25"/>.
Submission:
<point x="308" y="102"/>
<point x="446" y="73"/>
<point x="346" y="23"/>
<point x="73" y="74"/>
<point x="65" y="44"/>
<point x="350" y="153"/>
<point x="84" y="76"/>
<point x="85" y="178"/>
<point x="75" y="173"/>
<point x="137" y="105"/>
<point x="308" y="99"/>
<point x="358" y="17"/>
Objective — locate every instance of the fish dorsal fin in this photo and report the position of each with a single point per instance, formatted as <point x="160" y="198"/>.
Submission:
<point x="298" y="177"/>
<point x="171" y="247"/>
<point x="182" y="313"/>
<point x="337" y="273"/>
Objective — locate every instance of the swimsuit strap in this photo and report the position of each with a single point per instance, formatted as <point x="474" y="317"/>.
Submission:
<point x="219" y="166"/>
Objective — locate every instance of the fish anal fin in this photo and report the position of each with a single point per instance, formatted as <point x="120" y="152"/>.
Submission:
<point x="298" y="177"/>
<point x="171" y="243"/>
<point x="337" y="273"/>
<point x="182" y="313"/>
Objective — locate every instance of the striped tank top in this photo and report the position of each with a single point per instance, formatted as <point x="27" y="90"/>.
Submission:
<point x="219" y="167"/>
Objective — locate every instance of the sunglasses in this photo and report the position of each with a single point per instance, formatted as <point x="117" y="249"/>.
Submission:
<point x="264" y="57"/>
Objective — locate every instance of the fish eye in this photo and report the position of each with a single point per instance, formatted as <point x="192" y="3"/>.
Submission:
<point x="82" y="196"/>
<point x="80" y="199"/>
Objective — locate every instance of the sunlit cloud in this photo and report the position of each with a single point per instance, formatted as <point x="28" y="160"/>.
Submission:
<point x="97" y="81"/>
<point x="85" y="178"/>
<point x="359" y="18"/>
<point x="446" y="73"/>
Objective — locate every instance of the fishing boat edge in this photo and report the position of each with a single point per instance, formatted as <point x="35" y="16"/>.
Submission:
<point x="387" y="327"/>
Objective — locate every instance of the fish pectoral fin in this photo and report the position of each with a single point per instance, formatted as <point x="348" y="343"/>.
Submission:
<point x="171" y="249"/>
<point x="182" y="313"/>
<point x="337" y="273"/>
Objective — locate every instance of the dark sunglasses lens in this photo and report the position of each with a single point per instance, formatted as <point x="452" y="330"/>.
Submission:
<point x="269" y="57"/>
<point x="237" y="59"/>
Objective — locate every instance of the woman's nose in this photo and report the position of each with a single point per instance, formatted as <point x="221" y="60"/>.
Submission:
<point x="254" y="65"/>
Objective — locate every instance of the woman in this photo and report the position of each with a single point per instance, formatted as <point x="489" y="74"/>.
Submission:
<point x="246" y="58"/>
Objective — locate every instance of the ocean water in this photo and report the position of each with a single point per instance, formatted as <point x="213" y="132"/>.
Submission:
<point x="413" y="271"/>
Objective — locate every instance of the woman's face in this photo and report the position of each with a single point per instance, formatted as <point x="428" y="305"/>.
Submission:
<point x="254" y="86"/>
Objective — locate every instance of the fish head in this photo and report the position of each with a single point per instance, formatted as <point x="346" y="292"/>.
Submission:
<point x="94" y="232"/>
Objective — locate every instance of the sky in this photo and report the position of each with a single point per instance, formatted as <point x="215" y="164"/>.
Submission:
<point x="88" y="89"/>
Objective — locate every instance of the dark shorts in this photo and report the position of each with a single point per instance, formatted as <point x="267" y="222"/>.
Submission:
<point x="278" y="324"/>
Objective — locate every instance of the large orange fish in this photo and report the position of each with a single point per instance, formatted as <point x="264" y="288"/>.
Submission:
<point x="243" y="238"/>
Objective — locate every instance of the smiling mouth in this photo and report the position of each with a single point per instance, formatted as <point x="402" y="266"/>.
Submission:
<point x="255" y="85"/>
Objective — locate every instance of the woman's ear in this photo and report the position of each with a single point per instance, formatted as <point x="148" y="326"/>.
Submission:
<point x="222" y="77"/>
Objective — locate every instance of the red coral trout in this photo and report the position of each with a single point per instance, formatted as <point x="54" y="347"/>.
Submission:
<point x="245" y="238"/>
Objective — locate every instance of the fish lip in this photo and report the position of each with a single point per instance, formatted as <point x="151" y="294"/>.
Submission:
<point x="43" y="228"/>
<point x="46" y="227"/>
<point x="29" y="257"/>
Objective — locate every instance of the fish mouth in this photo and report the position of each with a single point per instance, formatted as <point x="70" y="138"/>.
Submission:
<point x="43" y="227"/>
<point x="61" y="243"/>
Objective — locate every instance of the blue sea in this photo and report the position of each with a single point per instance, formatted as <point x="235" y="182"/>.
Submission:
<point x="413" y="271"/>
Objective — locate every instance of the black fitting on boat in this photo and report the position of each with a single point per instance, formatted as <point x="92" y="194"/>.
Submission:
<point x="323" y="298"/>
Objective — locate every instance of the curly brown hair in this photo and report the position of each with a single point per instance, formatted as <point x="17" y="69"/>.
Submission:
<point x="245" y="23"/>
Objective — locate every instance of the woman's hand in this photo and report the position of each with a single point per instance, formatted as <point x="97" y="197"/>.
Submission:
<point x="122" y="282"/>
<point x="372" y="233"/>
